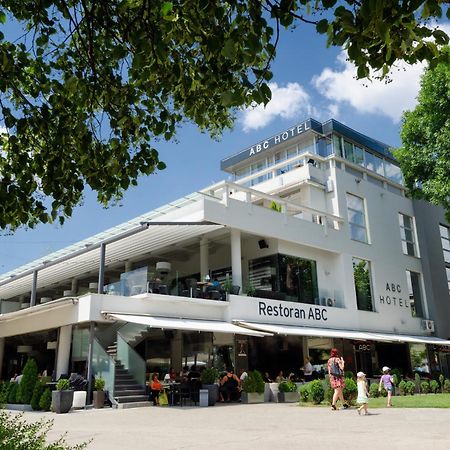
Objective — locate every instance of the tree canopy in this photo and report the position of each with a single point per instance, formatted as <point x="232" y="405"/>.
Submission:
<point x="87" y="88"/>
<point x="425" y="153"/>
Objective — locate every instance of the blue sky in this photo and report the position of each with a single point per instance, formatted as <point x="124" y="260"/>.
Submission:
<point x="310" y="80"/>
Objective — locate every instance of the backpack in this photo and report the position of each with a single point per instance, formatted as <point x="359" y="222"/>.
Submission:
<point x="335" y="370"/>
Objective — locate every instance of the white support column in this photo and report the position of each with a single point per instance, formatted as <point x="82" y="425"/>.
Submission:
<point x="236" y="265"/>
<point x="63" y="355"/>
<point x="2" y="352"/>
<point x="204" y="257"/>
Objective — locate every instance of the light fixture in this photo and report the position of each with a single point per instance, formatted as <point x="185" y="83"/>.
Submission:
<point x="163" y="267"/>
<point x="24" y="349"/>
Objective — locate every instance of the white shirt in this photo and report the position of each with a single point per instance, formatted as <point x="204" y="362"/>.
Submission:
<point x="308" y="369"/>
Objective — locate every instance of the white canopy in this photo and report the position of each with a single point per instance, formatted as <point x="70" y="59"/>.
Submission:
<point x="172" y="323"/>
<point x="345" y="334"/>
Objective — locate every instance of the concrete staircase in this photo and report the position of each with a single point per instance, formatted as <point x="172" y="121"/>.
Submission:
<point x="127" y="392"/>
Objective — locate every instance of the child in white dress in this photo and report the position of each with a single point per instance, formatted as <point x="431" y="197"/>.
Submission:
<point x="363" y="394"/>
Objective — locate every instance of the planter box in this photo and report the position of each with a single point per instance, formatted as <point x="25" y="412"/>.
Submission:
<point x="252" y="397"/>
<point x="288" y="397"/>
<point x="213" y="393"/>
<point x="99" y="399"/>
<point x="62" y="401"/>
<point x="18" y="407"/>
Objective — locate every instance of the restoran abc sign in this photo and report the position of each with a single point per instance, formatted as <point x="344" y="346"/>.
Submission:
<point x="292" y="312"/>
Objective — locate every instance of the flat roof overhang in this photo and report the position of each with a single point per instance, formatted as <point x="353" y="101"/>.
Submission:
<point x="172" y="323"/>
<point x="147" y="238"/>
<point x="344" y="334"/>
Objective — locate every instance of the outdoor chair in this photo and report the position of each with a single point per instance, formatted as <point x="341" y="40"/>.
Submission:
<point x="163" y="289"/>
<point x="235" y="289"/>
<point x="194" y="388"/>
<point x="185" y="392"/>
<point x="215" y="295"/>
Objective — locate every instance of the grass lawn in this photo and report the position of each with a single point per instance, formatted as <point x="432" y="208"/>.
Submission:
<point x="413" y="401"/>
<point x="409" y="401"/>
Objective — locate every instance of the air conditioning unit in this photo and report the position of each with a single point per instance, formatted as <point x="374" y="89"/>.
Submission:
<point x="331" y="302"/>
<point x="428" y="325"/>
<point x="330" y="185"/>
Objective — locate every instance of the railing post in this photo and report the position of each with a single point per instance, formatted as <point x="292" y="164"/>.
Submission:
<point x="90" y="355"/>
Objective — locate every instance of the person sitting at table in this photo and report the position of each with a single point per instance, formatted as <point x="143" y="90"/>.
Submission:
<point x="280" y="377"/>
<point x="229" y="386"/>
<point x="155" y="389"/>
<point x="267" y="378"/>
<point x="213" y="286"/>
<point x="171" y="376"/>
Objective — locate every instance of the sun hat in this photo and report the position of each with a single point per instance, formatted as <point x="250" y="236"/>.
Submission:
<point x="385" y="369"/>
<point x="360" y="374"/>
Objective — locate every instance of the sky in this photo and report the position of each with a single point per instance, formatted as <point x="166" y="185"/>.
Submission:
<point x="309" y="80"/>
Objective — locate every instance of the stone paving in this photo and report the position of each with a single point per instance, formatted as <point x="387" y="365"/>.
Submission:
<point x="262" y="426"/>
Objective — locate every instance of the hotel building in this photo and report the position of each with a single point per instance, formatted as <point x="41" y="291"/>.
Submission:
<point x="314" y="240"/>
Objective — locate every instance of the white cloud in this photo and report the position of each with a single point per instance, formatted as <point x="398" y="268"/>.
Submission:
<point x="377" y="97"/>
<point x="287" y="102"/>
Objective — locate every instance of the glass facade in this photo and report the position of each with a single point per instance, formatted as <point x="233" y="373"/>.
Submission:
<point x="357" y="218"/>
<point x="415" y="296"/>
<point x="363" y="289"/>
<point x="407" y="235"/>
<point x="445" y="241"/>
<point x="284" y="277"/>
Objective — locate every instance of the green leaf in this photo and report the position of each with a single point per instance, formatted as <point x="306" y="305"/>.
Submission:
<point x="2" y="17"/>
<point x="322" y="26"/>
<point x="166" y="8"/>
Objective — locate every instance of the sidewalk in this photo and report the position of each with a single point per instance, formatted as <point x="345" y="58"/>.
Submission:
<point x="268" y="426"/>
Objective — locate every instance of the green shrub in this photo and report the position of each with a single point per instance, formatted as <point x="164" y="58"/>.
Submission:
<point x="434" y="386"/>
<point x="254" y="382"/>
<point x="441" y="382"/>
<point x="287" y="386"/>
<point x="12" y="393"/>
<point x="317" y="392"/>
<point x="397" y="372"/>
<point x="18" y="434"/>
<point x="350" y="390"/>
<point x="447" y="386"/>
<point x="209" y="375"/>
<point x="304" y="393"/>
<point x="349" y="374"/>
<point x="29" y="378"/>
<point x="62" y="384"/>
<point x="402" y="387"/>
<point x="425" y="387"/>
<point x="37" y="392"/>
<point x="410" y="387"/>
<point x="374" y="390"/>
<point x="45" y="402"/>
<point x="329" y="392"/>
<point x="396" y="379"/>
<point x="99" y="384"/>
<point x="4" y="389"/>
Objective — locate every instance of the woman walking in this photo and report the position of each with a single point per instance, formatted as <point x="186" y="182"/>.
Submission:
<point x="336" y="373"/>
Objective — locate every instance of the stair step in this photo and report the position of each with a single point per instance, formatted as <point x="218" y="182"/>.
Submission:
<point x="127" y="387"/>
<point x="131" y="398"/>
<point x="134" y="405"/>
<point x="125" y="392"/>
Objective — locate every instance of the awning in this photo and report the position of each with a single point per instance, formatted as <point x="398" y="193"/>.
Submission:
<point x="171" y="323"/>
<point x="289" y="330"/>
<point x="411" y="339"/>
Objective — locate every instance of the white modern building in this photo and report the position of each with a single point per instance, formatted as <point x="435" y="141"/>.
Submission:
<point x="314" y="239"/>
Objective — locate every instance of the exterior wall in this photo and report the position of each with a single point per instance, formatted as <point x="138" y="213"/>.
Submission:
<point x="428" y="218"/>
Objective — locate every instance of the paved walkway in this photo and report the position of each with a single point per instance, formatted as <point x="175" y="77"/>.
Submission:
<point x="268" y="426"/>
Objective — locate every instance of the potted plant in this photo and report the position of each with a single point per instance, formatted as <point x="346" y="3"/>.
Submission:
<point x="99" y="393"/>
<point x="287" y="392"/>
<point x="62" y="398"/>
<point x="253" y="388"/>
<point x="209" y="376"/>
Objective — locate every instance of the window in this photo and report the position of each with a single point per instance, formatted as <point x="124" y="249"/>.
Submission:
<point x="357" y="218"/>
<point x="393" y="172"/>
<point x="337" y="146"/>
<point x="285" y="278"/>
<point x="361" y="276"/>
<point x="415" y="297"/>
<point x="445" y="240"/>
<point x="374" y="163"/>
<point x="407" y="235"/>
